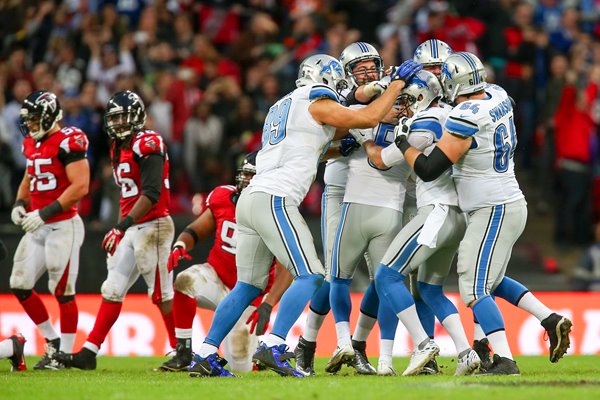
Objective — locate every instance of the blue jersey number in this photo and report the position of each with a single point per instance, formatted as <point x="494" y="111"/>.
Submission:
<point x="275" y="123"/>
<point x="383" y="137"/>
<point x="505" y="143"/>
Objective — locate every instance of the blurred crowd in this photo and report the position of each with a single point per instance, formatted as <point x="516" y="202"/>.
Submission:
<point x="208" y="72"/>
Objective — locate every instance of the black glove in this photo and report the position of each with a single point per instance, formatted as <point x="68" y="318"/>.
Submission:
<point x="259" y="319"/>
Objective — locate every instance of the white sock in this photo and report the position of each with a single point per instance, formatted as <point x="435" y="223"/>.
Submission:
<point x="343" y="333"/>
<point x="456" y="331"/>
<point x="364" y="325"/>
<point x="533" y="306"/>
<point x="273" y="340"/>
<point x="314" y="322"/>
<point x="92" y="347"/>
<point x="478" y="332"/>
<point x="499" y="344"/>
<point x="181" y="333"/>
<point x="6" y="348"/>
<point x="207" y="349"/>
<point x="410" y="320"/>
<point x="385" y="350"/>
<point x="48" y="330"/>
<point x="67" y="340"/>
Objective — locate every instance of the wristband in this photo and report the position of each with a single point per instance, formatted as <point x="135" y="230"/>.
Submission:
<point x="193" y="234"/>
<point x="19" y="202"/>
<point x="402" y="143"/>
<point x="125" y="223"/>
<point x="179" y="243"/>
<point x="50" y="210"/>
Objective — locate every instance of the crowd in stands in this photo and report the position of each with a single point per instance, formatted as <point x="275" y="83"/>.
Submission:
<point x="209" y="71"/>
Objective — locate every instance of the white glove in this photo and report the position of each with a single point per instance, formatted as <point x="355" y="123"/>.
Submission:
<point x="403" y="127"/>
<point x="360" y="135"/>
<point x="17" y="214"/>
<point x="32" y="221"/>
<point x="375" y="88"/>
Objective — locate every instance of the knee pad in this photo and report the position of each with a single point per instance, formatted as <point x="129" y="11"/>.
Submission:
<point x="184" y="283"/>
<point x="111" y="293"/>
<point x="65" y="299"/>
<point x="22" y="294"/>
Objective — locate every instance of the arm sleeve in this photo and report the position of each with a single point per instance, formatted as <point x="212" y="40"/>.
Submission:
<point x="151" y="170"/>
<point x="430" y="167"/>
<point x="391" y="156"/>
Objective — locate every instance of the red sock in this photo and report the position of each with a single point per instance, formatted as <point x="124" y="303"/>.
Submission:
<point x="107" y="316"/>
<point x="184" y="310"/>
<point x="34" y="307"/>
<point x="170" y="325"/>
<point x="68" y="316"/>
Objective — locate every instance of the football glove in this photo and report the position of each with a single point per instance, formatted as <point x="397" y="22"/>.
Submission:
<point x="401" y="132"/>
<point x="112" y="240"/>
<point x="376" y="88"/>
<point x="177" y="253"/>
<point x="347" y="145"/>
<point x="32" y="221"/>
<point x="359" y="135"/>
<point x="406" y="71"/>
<point x="259" y="319"/>
<point x="17" y="214"/>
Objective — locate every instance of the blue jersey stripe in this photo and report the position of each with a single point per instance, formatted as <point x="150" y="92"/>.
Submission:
<point x="487" y="251"/>
<point x="406" y="253"/>
<point x="428" y="125"/>
<point x="289" y="236"/>
<point x="319" y="92"/>
<point x="335" y="257"/>
<point x="460" y="128"/>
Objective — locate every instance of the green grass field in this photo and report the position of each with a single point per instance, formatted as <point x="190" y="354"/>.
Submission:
<point x="576" y="377"/>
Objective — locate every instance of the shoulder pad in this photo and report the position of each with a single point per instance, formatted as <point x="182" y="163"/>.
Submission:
<point x="74" y="141"/>
<point x="217" y="195"/>
<point x="146" y="143"/>
<point x="317" y="92"/>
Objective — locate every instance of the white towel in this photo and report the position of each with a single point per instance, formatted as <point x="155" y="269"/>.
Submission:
<point x="432" y="226"/>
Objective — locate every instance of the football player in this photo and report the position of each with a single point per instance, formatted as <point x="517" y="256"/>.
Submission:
<point x="297" y="130"/>
<point x="13" y="349"/>
<point x="140" y="243"/>
<point x="478" y="142"/>
<point x="205" y="285"/>
<point x="362" y="65"/>
<point x="428" y="242"/>
<point x="56" y="178"/>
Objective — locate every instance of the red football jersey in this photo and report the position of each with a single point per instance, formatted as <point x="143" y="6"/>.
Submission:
<point x="128" y="176"/>
<point x="46" y="162"/>
<point x="222" y="254"/>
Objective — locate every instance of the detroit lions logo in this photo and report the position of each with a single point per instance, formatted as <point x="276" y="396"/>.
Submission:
<point x="331" y="67"/>
<point x="446" y="72"/>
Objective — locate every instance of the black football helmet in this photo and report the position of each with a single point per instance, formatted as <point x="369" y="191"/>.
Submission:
<point x="40" y="107"/>
<point x="246" y="171"/>
<point x="125" y="115"/>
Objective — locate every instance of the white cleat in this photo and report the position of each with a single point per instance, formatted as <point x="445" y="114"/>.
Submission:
<point x="385" y="368"/>
<point x="341" y="356"/>
<point x="468" y="364"/>
<point x="420" y="357"/>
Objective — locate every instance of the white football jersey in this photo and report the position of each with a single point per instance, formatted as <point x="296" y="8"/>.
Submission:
<point x="485" y="175"/>
<point x="292" y="145"/>
<point x="425" y="131"/>
<point x="370" y="185"/>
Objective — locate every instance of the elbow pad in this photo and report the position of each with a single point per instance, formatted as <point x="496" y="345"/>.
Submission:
<point x="429" y="168"/>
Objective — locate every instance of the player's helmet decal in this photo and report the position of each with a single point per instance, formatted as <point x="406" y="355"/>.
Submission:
<point x="40" y="107"/>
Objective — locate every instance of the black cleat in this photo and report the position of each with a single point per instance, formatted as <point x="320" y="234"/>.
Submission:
<point x="431" y="368"/>
<point x="276" y="358"/>
<point x="180" y="361"/>
<point x="305" y="357"/>
<point x="360" y="362"/>
<point x="482" y="348"/>
<point x="557" y="327"/>
<point x="501" y="366"/>
<point x="18" y="359"/>
<point x="212" y="366"/>
<point x="48" y="361"/>
<point x="84" y="359"/>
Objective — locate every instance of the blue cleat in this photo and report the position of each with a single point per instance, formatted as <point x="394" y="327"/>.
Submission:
<point x="211" y="366"/>
<point x="276" y="359"/>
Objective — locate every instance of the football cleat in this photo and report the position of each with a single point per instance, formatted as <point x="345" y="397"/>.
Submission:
<point x="342" y="355"/>
<point x="431" y="368"/>
<point x="385" y="368"/>
<point x="420" y="357"/>
<point x="557" y="327"/>
<point x="211" y="366"/>
<point x="180" y="361"/>
<point x="482" y="348"/>
<point x="501" y="366"/>
<point x="85" y="359"/>
<point x="305" y="357"/>
<point x="468" y="364"/>
<point x="18" y="358"/>
<point x="276" y="359"/>
<point x="47" y="361"/>
<point x="361" y="362"/>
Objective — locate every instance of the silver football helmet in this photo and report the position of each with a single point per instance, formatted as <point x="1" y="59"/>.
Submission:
<point x="462" y="73"/>
<point x="357" y="52"/>
<point x="322" y="68"/>
<point x="432" y="52"/>
<point x="423" y="89"/>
